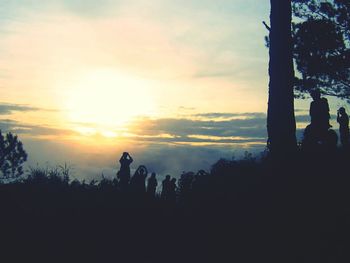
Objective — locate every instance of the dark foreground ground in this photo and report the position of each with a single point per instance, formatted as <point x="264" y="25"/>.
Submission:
<point x="295" y="210"/>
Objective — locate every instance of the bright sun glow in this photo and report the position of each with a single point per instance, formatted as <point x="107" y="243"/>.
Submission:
<point x="107" y="100"/>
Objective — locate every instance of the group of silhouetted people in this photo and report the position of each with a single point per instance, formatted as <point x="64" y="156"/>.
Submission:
<point x="169" y="189"/>
<point x="319" y="132"/>
<point x="137" y="182"/>
<point x="317" y="135"/>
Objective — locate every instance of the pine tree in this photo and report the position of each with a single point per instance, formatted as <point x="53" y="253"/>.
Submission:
<point x="281" y="120"/>
<point x="12" y="156"/>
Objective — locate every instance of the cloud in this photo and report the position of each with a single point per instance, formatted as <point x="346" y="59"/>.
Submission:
<point x="215" y="115"/>
<point x="240" y="129"/>
<point x="10" y="108"/>
<point x="305" y="118"/>
<point x="185" y="126"/>
<point x="8" y="125"/>
<point x="302" y="118"/>
<point x="212" y="128"/>
<point x="173" y="160"/>
<point x="244" y="130"/>
<point x="183" y="108"/>
<point x="166" y="146"/>
<point x="7" y="108"/>
<point x="91" y="7"/>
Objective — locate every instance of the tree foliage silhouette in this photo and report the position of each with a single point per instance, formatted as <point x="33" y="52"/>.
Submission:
<point x="322" y="46"/>
<point x="12" y="156"/>
<point x="280" y="119"/>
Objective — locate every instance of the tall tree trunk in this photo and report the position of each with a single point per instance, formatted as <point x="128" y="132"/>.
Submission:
<point x="280" y="116"/>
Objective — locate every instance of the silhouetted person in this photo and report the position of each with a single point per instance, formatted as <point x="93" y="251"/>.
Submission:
<point x="138" y="181"/>
<point x="152" y="185"/>
<point x="165" y="187"/>
<point x="124" y="172"/>
<point x="172" y="191"/>
<point x="343" y="120"/>
<point x="318" y="134"/>
<point x="319" y="112"/>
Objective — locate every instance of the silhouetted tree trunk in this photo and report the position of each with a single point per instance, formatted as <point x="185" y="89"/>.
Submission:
<point x="280" y="117"/>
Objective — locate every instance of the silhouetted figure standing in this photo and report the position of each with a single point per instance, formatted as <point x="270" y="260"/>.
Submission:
<point x="138" y="181"/>
<point x="172" y="191"/>
<point x="343" y="120"/>
<point x="319" y="112"/>
<point x="165" y="187"/>
<point x="318" y="133"/>
<point x="124" y="172"/>
<point x="152" y="185"/>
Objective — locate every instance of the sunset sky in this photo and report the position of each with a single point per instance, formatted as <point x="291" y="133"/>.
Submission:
<point x="178" y="84"/>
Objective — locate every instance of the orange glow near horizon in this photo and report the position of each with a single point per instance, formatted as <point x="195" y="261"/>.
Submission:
<point x="104" y="101"/>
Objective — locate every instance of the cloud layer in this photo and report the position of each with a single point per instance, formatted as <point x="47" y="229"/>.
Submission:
<point x="7" y="108"/>
<point x="165" y="145"/>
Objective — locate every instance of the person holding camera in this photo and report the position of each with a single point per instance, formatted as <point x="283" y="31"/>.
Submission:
<point x="124" y="172"/>
<point x="343" y="120"/>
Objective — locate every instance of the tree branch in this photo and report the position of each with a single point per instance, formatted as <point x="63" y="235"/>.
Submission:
<point x="267" y="27"/>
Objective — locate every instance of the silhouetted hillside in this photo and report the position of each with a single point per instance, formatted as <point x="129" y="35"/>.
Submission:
<point x="248" y="210"/>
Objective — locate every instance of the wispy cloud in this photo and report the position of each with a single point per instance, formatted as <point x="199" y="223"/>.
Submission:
<point x="9" y="108"/>
<point x="35" y="131"/>
<point x="228" y="115"/>
<point x="305" y="118"/>
<point x="238" y="128"/>
<point x="249" y="128"/>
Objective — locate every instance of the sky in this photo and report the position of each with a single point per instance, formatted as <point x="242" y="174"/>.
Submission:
<point x="178" y="84"/>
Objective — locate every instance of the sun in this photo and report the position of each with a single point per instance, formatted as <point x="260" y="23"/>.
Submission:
<point x="107" y="100"/>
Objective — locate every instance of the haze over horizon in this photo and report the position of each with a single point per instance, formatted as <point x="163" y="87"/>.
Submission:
<point x="177" y="84"/>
